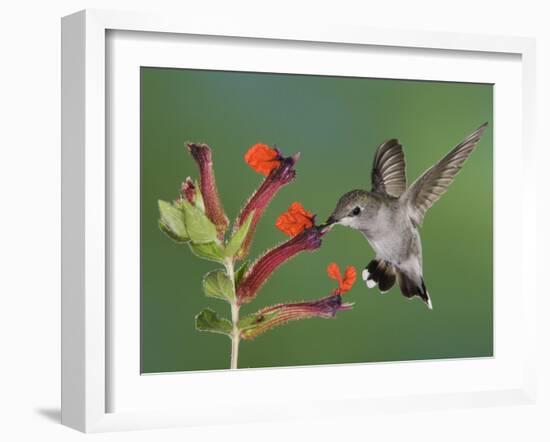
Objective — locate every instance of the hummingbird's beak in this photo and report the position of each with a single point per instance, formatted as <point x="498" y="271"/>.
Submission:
<point x="327" y="225"/>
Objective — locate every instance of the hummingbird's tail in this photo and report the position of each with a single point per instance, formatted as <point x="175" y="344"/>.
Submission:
<point x="384" y="274"/>
<point x="410" y="288"/>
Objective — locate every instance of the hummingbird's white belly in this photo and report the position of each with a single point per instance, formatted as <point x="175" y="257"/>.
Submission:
<point x="385" y="248"/>
<point x="395" y="244"/>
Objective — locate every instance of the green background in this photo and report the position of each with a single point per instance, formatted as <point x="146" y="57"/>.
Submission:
<point x="336" y="123"/>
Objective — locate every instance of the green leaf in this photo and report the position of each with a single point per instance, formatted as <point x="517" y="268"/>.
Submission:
<point x="210" y="250"/>
<point x="199" y="228"/>
<point x="172" y="222"/>
<point x="208" y="320"/>
<point x="236" y="241"/>
<point x="241" y="272"/>
<point x="217" y="284"/>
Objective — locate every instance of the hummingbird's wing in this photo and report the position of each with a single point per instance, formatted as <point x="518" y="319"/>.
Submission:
<point x="388" y="169"/>
<point x="433" y="183"/>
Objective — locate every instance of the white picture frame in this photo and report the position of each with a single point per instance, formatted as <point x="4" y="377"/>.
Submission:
<point x="86" y="352"/>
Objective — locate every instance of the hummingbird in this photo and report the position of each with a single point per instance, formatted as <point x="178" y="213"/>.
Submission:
<point x="390" y="214"/>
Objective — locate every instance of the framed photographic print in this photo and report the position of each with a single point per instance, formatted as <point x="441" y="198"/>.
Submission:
<point x="308" y="217"/>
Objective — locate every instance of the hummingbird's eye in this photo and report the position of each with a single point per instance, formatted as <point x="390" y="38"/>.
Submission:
<point x="356" y="211"/>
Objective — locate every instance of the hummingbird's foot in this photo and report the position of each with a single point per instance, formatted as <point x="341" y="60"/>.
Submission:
<point x="379" y="272"/>
<point x="371" y="283"/>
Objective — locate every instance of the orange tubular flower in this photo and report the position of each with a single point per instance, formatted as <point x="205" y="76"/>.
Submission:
<point x="344" y="283"/>
<point x="295" y="220"/>
<point x="261" y="270"/>
<point x="280" y="314"/>
<point x="279" y="176"/>
<point x="262" y="158"/>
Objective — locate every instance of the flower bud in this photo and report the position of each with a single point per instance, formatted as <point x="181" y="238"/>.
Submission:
<point x="202" y="155"/>
<point x="188" y="190"/>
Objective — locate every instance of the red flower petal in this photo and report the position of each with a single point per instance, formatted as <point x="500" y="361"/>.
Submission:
<point x="294" y="220"/>
<point x="333" y="272"/>
<point x="344" y="284"/>
<point x="262" y="158"/>
<point x="350" y="275"/>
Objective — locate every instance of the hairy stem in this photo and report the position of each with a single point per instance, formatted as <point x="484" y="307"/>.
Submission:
<point x="235" y="334"/>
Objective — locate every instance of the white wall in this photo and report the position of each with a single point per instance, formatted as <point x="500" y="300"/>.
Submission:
<point x="30" y="220"/>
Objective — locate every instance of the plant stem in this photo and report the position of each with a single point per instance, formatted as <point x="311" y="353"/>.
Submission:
<point x="235" y="334"/>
